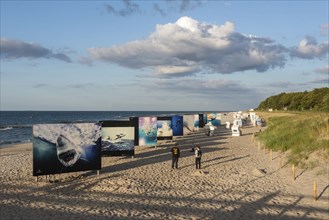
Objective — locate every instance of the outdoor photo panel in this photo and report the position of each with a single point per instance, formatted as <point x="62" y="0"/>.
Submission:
<point x="164" y="128"/>
<point x="147" y="131"/>
<point x="196" y="122"/>
<point x="214" y="119"/>
<point x="177" y="125"/>
<point x="202" y="120"/>
<point x="118" y="138"/>
<point x="134" y="123"/>
<point x="63" y="148"/>
<point x="188" y="123"/>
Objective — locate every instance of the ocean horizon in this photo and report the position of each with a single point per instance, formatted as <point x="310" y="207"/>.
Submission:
<point x="16" y="126"/>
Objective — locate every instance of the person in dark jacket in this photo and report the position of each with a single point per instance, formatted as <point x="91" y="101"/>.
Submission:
<point x="198" y="155"/>
<point x="175" y="152"/>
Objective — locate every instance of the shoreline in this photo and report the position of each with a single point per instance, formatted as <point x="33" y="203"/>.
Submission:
<point x="16" y="147"/>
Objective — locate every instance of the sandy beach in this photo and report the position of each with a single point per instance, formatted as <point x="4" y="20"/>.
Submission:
<point x="237" y="181"/>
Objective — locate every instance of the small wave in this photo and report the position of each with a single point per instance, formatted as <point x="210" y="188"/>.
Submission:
<point x="5" y="143"/>
<point x="6" y="128"/>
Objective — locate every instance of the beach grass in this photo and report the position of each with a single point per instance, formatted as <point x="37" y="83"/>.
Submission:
<point x="305" y="136"/>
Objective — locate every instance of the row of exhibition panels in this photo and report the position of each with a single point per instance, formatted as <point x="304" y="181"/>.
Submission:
<point x="74" y="147"/>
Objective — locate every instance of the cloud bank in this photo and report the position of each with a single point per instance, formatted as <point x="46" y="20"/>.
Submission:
<point x="187" y="47"/>
<point x="210" y="87"/>
<point x="14" y="49"/>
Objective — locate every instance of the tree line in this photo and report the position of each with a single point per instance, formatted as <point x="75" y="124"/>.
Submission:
<point x="315" y="100"/>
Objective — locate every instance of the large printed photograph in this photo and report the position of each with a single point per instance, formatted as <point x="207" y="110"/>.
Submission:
<point x="177" y="125"/>
<point x="63" y="148"/>
<point x="164" y="128"/>
<point x="118" y="140"/>
<point x="202" y="120"/>
<point x="188" y="124"/>
<point x="196" y="123"/>
<point x="214" y="119"/>
<point x="147" y="131"/>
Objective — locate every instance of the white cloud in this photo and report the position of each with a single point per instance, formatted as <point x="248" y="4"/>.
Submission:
<point x="176" y="70"/>
<point x="309" y="49"/>
<point x="189" y="46"/>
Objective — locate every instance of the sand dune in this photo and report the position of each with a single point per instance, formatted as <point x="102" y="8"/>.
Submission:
<point x="237" y="181"/>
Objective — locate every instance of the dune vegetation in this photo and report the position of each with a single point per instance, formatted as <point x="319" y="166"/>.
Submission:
<point x="316" y="101"/>
<point x="303" y="136"/>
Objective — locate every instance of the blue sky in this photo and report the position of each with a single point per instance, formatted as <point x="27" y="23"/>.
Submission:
<point x="159" y="55"/>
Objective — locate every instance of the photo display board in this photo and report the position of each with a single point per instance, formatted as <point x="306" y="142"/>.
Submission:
<point x="214" y="118"/>
<point x="177" y="125"/>
<point x="164" y="128"/>
<point x="196" y="123"/>
<point x="63" y="148"/>
<point x="188" y="123"/>
<point x="147" y="131"/>
<point x="202" y="120"/>
<point x="118" y="138"/>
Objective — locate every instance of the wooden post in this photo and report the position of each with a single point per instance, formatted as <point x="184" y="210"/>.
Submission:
<point x="314" y="190"/>
<point x="293" y="172"/>
<point x="271" y="156"/>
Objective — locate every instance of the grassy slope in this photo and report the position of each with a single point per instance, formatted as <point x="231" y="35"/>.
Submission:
<point x="304" y="135"/>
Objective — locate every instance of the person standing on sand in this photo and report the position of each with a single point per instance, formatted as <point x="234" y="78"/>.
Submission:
<point x="198" y="155"/>
<point x="175" y="155"/>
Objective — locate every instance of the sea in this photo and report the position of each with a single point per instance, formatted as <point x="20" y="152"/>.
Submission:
<point x="16" y="126"/>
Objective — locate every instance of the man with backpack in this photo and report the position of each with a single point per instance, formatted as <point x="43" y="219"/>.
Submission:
<point x="198" y="155"/>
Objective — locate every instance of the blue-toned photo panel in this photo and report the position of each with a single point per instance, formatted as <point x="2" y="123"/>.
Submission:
<point x="118" y="138"/>
<point x="147" y="131"/>
<point x="196" y="122"/>
<point x="177" y="125"/>
<point x="63" y="148"/>
<point x="214" y="119"/>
